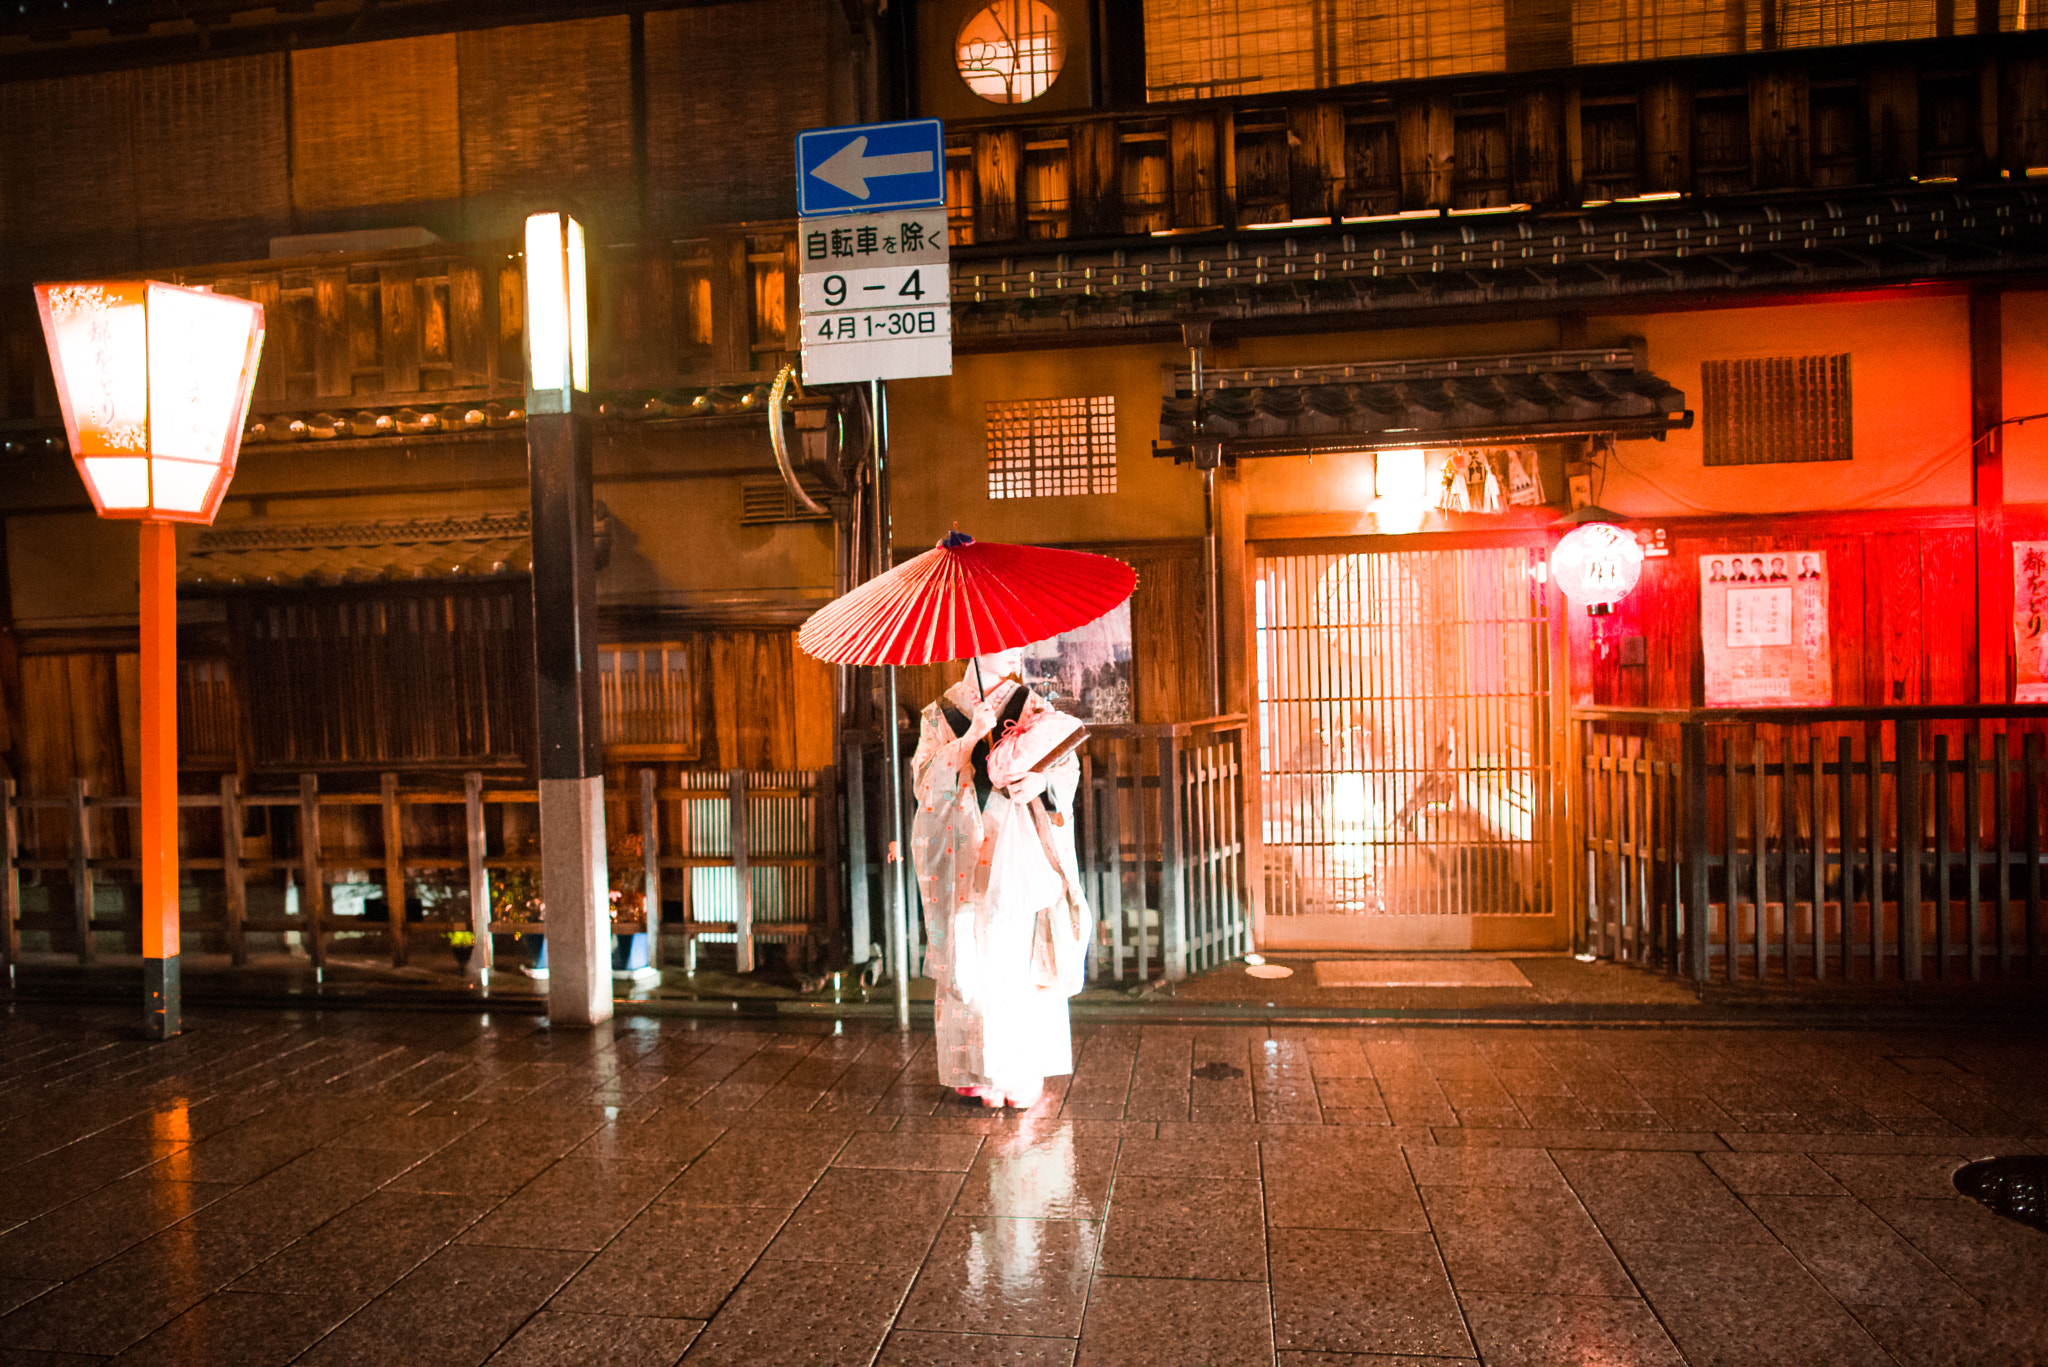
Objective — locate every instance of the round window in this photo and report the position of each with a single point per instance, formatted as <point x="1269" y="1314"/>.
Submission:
<point x="1011" y="52"/>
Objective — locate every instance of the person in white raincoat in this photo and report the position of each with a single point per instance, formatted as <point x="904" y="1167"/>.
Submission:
<point x="1005" y="921"/>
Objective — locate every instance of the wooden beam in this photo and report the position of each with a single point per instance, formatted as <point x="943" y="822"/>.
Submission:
<point x="1987" y="494"/>
<point x="1427" y="143"/>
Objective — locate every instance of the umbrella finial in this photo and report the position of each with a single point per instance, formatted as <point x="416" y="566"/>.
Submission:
<point x="955" y="539"/>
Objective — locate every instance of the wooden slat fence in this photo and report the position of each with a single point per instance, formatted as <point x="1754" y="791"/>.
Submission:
<point x="732" y="857"/>
<point x="1830" y="845"/>
<point x="1163" y="867"/>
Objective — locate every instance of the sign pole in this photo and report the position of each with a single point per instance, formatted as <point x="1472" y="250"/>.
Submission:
<point x="162" y="1015"/>
<point x="892" y="737"/>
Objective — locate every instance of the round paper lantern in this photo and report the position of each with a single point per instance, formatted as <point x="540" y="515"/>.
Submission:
<point x="1596" y="565"/>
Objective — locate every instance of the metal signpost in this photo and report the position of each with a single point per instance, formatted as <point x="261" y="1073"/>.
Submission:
<point x="876" y="305"/>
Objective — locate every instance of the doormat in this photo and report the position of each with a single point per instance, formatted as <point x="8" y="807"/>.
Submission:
<point x="1418" y="973"/>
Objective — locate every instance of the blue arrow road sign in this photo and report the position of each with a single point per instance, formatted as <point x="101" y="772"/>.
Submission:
<point x="870" y="166"/>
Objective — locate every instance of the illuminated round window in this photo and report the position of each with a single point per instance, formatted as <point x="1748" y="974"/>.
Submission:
<point x="1011" y="52"/>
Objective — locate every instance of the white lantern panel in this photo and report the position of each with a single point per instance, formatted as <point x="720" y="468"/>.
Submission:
<point x="120" y="482"/>
<point x="199" y="343"/>
<point x="99" y="344"/>
<point x="181" y="486"/>
<point x="579" y="313"/>
<point x="547" y="305"/>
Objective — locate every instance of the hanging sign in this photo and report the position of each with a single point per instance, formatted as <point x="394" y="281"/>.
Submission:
<point x="2030" y="620"/>
<point x="1764" y="629"/>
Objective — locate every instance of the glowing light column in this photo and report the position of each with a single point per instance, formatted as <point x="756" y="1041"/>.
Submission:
<point x="154" y="381"/>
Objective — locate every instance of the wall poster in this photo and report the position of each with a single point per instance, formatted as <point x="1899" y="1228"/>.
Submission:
<point x="1764" y="629"/>
<point x="2030" y="620"/>
<point x="1086" y="672"/>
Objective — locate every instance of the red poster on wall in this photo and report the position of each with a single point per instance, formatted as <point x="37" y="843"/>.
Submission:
<point x="2030" y="620"/>
<point x="1764" y="629"/>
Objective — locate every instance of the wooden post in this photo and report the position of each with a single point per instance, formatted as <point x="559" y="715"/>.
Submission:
<point x="1173" y="893"/>
<point x="743" y="903"/>
<point x="1906" y="790"/>
<point x="1845" y="813"/>
<point x="158" y="847"/>
<point x="394" y="866"/>
<point x="479" y="877"/>
<point x="860" y="924"/>
<point x="1759" y="859"/>
<point x="1731" y="863"/>
<point x="2001" y="827"/>
<point x="650" y="866"/>
<point x="1973" y="815"/>
<point x="232" y="886"/>
<point x="1112" y="818"/>
<point x="1818" y="869"/>
<point x="81" y="872"/>
<point x="313" y="892"/>
<point x="1942" y="910"/>
<point x="825" y="832"/>
<point x="10" y="878"/>
<point x="1987" y="486"/>
<point x="1693" y="752"/>
<point x="1788" y="840"/>
<point x="2036" y="774"/>
<point x="1873" y="842"/>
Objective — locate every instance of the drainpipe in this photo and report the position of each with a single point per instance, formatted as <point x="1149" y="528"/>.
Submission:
<point x="1208" y="456"/>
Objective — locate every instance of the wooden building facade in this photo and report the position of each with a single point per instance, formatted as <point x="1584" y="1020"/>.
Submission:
<point x="1517" y="260"/>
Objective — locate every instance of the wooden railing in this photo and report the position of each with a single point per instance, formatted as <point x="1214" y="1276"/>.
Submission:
<point x="1163" y="866"/>
<point x="730" y="857"/>
<point x="1825" y="845"/>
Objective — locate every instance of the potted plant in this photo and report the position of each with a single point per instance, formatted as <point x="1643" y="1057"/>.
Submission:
<point x="462" y="944"/>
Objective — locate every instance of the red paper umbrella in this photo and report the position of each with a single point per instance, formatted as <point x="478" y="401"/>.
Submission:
<point x="966" y="597"/>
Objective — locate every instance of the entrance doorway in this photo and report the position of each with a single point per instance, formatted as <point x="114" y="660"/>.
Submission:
<point x="1405" y="745"/>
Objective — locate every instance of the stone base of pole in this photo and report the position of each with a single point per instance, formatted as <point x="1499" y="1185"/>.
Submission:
<point x="573" y="888"/>
<point x="162" y="1010"/>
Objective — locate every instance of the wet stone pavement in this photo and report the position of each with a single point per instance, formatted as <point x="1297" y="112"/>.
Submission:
<point x="413" y="1189"/>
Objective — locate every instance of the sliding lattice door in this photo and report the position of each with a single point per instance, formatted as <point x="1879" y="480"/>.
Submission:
<point x="1404" y="730"/>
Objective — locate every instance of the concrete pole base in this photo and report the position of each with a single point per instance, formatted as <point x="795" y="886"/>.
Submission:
<point x="575" y="887"/>
<point x="163" y="1012"/>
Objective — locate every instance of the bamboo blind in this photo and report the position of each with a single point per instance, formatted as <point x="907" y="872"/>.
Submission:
<point x="708" y="129"/>
<point x="546" y="106"/>
<point x="375" y="123"/>
<point x="71" y="139"/>
<point x="210" y="173"/>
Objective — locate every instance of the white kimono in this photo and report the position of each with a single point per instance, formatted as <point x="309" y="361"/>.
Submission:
<point x="1001" y="1016"/>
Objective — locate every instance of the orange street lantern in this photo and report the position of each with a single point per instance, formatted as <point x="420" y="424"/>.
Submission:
<point x="155" y="382"/>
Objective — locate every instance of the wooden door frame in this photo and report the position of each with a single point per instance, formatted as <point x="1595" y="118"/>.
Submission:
<point x="1563" y="877"/>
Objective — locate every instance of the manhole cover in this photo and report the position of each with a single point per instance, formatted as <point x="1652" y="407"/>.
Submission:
<point x="1218" y="1072"/>
<point x="2016" y="1188"/>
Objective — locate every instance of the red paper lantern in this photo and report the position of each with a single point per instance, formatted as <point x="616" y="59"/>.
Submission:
<point x="155" y="382"/>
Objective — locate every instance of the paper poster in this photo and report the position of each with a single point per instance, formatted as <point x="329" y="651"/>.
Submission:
<point x="2030" y="620"/>
<point x="1764" y="629"/>
<point x="1086" y="672"/>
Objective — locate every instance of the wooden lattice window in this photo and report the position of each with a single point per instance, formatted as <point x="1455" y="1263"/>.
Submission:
<point x="1775" y="410"/>
<point x="650" y="700"/>
<point x="1045" y="448"/>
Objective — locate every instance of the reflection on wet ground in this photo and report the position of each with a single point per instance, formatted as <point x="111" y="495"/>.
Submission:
<point x="385" y="1188"/>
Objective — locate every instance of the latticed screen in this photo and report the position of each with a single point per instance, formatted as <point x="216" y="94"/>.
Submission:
<point x="1205" y="48"/>
<point x="1045" y="448"/>
<point x="1775" y="410"/>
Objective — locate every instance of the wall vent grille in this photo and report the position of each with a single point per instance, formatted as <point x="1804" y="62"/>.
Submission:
<point x="1775" y="410"/>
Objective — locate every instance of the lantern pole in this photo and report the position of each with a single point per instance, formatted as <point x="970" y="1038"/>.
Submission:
<point x="161" y="1011"/>
<point x="575" y="880"/>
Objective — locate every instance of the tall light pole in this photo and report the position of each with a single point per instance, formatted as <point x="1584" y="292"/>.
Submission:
<point x="575" y="885"/>
<point x="154" y="381"/>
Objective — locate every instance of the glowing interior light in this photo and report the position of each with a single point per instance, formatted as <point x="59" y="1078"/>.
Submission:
<point x="1596" y="565"/>
<point x="154" y="381"/>
<point x="121" y="482"/>
<point x="1401" y="481"/>
<point x="557" y="313"/>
